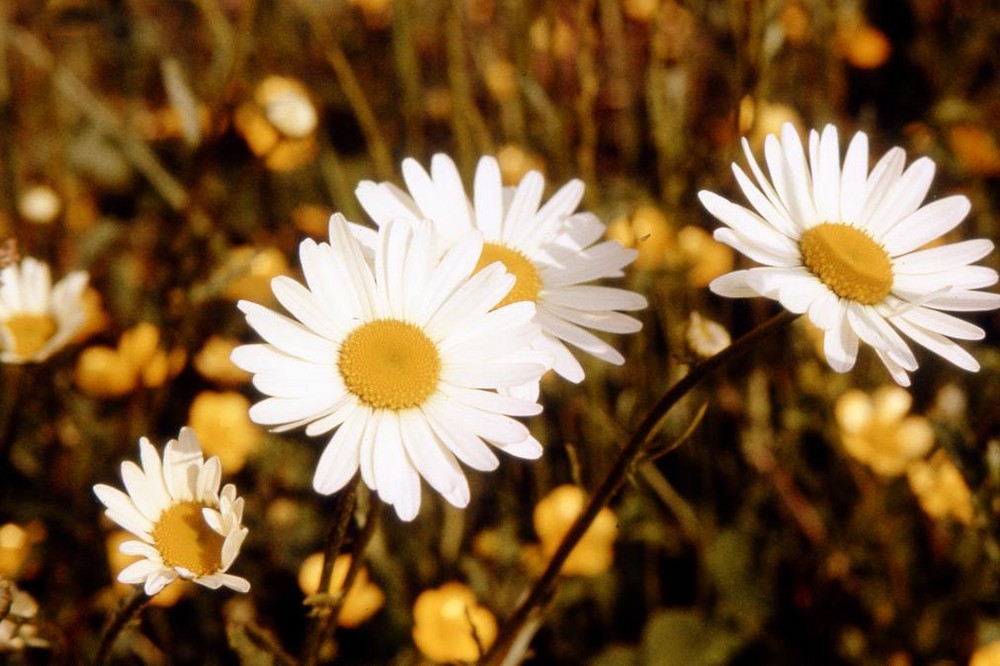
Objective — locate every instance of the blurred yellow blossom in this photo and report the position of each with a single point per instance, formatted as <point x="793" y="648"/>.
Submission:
<point x="447" y="621"/>
<point x="96" y="319"/>
<point x="986" y="655"/>
<point x="118" y="560"/>
<point x="940" y="488"/>
<point x="515" y="162"/>
<point x="876" y="430"/>
<point x="795" y="22"/>
<point x="39" y="204"/>
<point x="213" y="363"/>
<point x="975" y="148"/>
<point x="862" y="45"/>
<point x="222" y="423"/>
<point x="312" y="220"/>
<point x="500" y="78"/>
<point x="251" y="270"/>
<point x="138" y="360"/>
<point x="14" y="548"/>
<point x="759" y="118"/>
<point x="554" y="515"/>
<point x="705" y="257"/>
<point x="363" y="600"/>
<point x="648" y="231"/>
<point x="706" y="337"/>
<point x="377" y="13"/>
<point x="640" y="10"/>
<point x="279" y="123"/>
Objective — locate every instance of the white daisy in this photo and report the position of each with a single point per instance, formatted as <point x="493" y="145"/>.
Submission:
<point x="552" y="251"/>
<point x="187" y="528"/>
<point x="843" y="245"/>
<point x="402" y="357"/>
<point x="37" y="319"/>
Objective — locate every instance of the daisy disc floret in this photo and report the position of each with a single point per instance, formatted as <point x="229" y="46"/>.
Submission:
<point x="401" y="354"/>
<point x="187" y="528"/>
<point x="846" y="246"/>
<point x="37" y="319"/>
<point x="552" y="251"/>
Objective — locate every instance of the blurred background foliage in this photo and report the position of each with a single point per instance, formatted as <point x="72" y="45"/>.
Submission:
<point x="179" y="150"/>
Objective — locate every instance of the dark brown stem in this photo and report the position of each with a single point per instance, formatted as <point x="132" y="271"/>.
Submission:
<point x="542" y="588"/>
<point x="129" y="609"/>
<point x="338" y="528"/>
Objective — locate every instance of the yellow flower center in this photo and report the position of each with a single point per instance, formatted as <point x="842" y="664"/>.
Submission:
<point x="185" y="540"/>
<point x="848" y="261"/>
<point x="30" y="332"/>
<point x="389" y="364"/>
<point x="527" y="280"/>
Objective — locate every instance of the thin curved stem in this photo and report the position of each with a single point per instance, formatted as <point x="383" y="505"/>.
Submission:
<point x="338" y="528"/>
<point x="542" y="587"/>
<point x="129" y="610"/>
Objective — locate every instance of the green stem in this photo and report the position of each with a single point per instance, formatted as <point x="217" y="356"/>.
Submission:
<point x="542" y="588"/>
<point x="338" y="528"/>
<point x="129" y="609"/>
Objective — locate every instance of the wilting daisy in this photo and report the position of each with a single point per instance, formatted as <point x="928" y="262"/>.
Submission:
<point x="401" y="356"/>
<point x="843" y="245"/>
<point x="552" y="251"/>
<point x="37" y="319"/>
<point x="186" y="527"/>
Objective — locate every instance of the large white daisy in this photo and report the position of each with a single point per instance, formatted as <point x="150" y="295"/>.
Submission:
<point x="552" y="251"/>
<point x="402" y="356"/>
<point x="37" y="319"/>
<point x="843" y="245"/>
<point x="187" y="528"/>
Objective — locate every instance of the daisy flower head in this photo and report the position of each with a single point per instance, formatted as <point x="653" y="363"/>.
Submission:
<point x="843" y="245"/>
<point x="37" y="319"/>
<point x="552" y="251"/>
<point x="186" y="527"/>
<point x="400" y="354"/>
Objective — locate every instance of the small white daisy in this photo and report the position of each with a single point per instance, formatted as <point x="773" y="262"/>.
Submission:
<point x="187" y="528"/>
<point x="843" y="245"/>
<point x="37" y="319"/>
<point x="402" y="357"/>
<point x="552" y="251"/>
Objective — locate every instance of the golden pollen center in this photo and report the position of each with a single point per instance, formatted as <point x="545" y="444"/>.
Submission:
<point x="527" y="282"/>
<point x="30" y="332"/>
<point x="389" y="364"/>
<point x="185" y="540"/>
<point x="848" y="261"/>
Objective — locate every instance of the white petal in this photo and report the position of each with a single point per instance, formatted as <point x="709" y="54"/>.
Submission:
<point x="589" y="297"/>
<point x="138" y="571"/>
<point x="339" y="462"/>
<point x="488" y="198"/>
<point x="944" y="257"/>
<point x="286" y="334"/>
<point x="840" y="346"/>
<point x="873" y="329"/>
<point x="122" y="510"/>
<point x="961" y="300"/>
<point x="432" y="460"/>
<point x="138" y="489"/>
<point x="733" y="285"/>
<point x="902" y="199"/>
<point x="853" y="176"/>
<point x="928" y="223"/>
<point x="826" y="176"/>
<point x="942" y="323"/>
<point x="938" y="344"/>
<point x="465" y="444"/>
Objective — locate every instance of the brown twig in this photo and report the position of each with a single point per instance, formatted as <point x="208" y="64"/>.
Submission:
<point x="544" y="585"/>
<point x="338" y="528"/>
